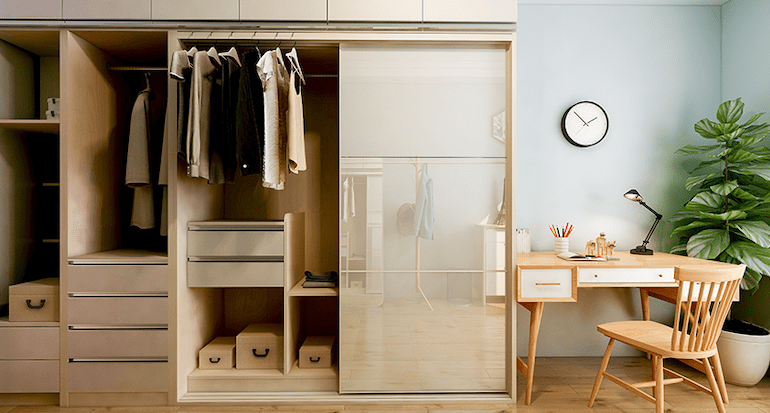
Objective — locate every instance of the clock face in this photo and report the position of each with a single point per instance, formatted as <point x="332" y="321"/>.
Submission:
<point x="585" y="124"/>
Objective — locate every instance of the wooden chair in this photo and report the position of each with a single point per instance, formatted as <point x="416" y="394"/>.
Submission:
<point x="704" y="299"/>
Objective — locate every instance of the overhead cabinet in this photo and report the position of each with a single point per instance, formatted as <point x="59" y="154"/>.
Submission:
<point x="195" y="10"/>
<point x="470" y="11"/>
<point x="106" y="9"/>
<point x="286" y="10"/>
<point x="375" y="10"/>
<point x="25" y="9"/>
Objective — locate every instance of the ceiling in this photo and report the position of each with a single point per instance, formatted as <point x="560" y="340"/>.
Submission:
<point x="632" y="2"/>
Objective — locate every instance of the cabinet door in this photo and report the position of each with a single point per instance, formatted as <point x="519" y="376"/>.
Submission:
<point x="25" y="9"/>
<point x="464" y="11"/>
<point x="286" y="10"/>
<point x="375" y="10"/>
<point x="195" y="10"/>
<point x="106" y="9"/>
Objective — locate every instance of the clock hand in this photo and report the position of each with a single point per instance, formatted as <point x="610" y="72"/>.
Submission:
<point x="581" y="119"/>
<point x="592" y="120"/>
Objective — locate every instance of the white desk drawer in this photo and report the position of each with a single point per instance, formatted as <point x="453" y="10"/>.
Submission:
<point x="222" y="243"/>
<point x="114" y="343"/>
<point x="546" y="285"/>
<point x="119" y="376"/>
<point x="117" y="278"/>
<point x="625" y="275"/>
<point x="29" y="376"/>
<point x="118" y="310"/>
<point x="234" y="274"/>
<point x="29" y="343"/>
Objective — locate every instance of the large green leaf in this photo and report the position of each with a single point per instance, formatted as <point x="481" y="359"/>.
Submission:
<point x="760" y="169"/>
<point x="725" y="129"/>
<point x="680" y="248"/>
<point x="725" y="216"/>
<point x="705" y="164"/>
<point x="708" y="243"/>
<point x="684" y="229"/>
<point x="730" y="111"/>
<point x="705" y="201"/>
<point x="754" y="256"/>
<point x="746" y="206"/>
<point x="757" y="231"/>
<point x="742" y="156"/>
<point x="732" y="131"/>
<point x="751" y="280"/>
<point x="752" y="119"/>
<point x="694" y="181"/>
<point x="705" y="128"/>
<point x="695" y="149"/>
<point x="684" y="215"/>
<point x="754" y="134"/>
<point x="724" y="189"/>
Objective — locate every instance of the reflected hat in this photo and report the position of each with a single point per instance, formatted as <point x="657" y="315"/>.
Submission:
<point x="405" y="220"/>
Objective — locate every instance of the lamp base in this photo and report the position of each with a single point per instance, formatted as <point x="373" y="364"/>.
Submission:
<point x="641" y="250"/>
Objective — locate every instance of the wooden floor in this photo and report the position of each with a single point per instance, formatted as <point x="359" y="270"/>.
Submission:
<point x="561" y="385"/>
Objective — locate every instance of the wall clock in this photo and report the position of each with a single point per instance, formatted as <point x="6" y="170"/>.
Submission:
<point x="585" y="124"/>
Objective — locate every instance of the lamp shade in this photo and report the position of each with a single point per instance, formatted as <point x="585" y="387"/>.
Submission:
<point x="633" y="195"/>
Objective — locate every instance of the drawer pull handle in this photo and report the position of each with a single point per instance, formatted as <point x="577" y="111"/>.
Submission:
<point x="547" y="283"/>
<point x="267" y="350"/>
<point x="596" y="275"/>
<point x="212" y="361"/>
<point x="35" y="307"/>
<point x="660" y="275"/>
<point x="317" y="359"/>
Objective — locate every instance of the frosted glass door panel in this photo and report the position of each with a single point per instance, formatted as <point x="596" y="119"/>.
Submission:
<point x="420" y="102"/>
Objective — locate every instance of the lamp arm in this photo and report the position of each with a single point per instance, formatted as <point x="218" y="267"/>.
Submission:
<point x="658" y="217"/>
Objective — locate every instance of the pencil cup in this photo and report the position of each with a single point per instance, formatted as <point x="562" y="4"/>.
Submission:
<point x="560" y="244"/>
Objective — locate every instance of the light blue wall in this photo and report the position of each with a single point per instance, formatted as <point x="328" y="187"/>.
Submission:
<point x="746" y="74"/>
<point x="656" y="71"/>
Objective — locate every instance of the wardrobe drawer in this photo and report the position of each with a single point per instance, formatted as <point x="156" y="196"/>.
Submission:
<point x="29" y="343"/>
<point x="84" y="342"/>
<point x="240" y="243"/>
<point x="29" y="376"/>
<point x="117" y="376"/>
<point x="556" y="284"/>
<point x="117" y="278"/>
<point x="234" y="274"/>
<point x="626" y="275"/>
<point x="118" y="310"/>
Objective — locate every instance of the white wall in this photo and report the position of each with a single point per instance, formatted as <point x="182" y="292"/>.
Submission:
<point x="746" y="74"/>
<point x="656" y="71"/>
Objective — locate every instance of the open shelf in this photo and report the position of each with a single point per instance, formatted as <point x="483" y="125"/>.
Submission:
<point x="32" y="125"/>
<point x="4" y="322"/>
<point x="299" y="291"/>
<point x="267" y="380"/>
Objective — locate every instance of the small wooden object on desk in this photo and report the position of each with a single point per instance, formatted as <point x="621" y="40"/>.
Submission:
<point x="591" y="247"/>
<point x="34" y="301"/>
<point x="316" y="352"/>
<point x="219" y="354"/>
<point x="259" y="346"/>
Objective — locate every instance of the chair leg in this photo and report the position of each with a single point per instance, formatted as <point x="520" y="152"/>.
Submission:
<point x="720" y="377"/>
<point x="600" y="375"/>
<point x="714" y="387"/>
<point x="658" y="390"/>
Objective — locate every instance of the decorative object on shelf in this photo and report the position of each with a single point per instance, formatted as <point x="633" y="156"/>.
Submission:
<point x="634" y="195"/>
<point x="498" y="127"/>
<point x="591" y="247"/>
<point x="585" y="124"/>
<point x="560" y="244"/>
<point x="611" y="247"/>
<point x="500" y="220"/>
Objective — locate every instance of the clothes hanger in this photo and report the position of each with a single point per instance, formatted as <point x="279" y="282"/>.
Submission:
<point x="280" y="56"/>
<point x="191" y="54"/>
<point x="232" y="53"/>
<point x="294" y="60"/>
<point x="147" y="86"/>
<point x="214" y="57"/>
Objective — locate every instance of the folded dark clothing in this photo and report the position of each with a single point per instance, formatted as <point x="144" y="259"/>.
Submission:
<point x="329" y="276"/>
<point x="319" y="284"/>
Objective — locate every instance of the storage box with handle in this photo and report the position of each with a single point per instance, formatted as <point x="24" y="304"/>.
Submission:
<point x="259" y="346"/>
<point x="34" y="301"/>
<point x="316" y="352"/>
<point x="219" y="354"/>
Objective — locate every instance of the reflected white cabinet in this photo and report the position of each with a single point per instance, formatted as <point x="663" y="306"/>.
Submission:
<point x="285" y="10"/>
<point x="375" y="10"/>
<point x="106" y="9"/>
<point x="470" y="11"/>
<point x="26" y="9"/>
<point x="195" y="10"/>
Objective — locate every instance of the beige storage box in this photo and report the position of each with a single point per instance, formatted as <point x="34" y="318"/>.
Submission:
<point x="316" y="352"/>
<point x="34" y="301"/>
<point x="218" y="355"/>
<point x="259" y="346"/>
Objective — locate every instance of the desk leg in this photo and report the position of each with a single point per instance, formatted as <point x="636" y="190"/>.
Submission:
<point x="645" y="304"/>
<point x="528" y="370"/>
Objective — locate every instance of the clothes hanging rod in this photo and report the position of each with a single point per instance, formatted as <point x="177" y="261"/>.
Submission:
<point x="137" y="68"/>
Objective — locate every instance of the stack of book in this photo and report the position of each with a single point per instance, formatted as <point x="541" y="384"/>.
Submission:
<point x="320" y="279"/>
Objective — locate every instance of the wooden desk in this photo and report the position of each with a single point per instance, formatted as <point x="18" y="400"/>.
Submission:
<point x="543" y="277"/>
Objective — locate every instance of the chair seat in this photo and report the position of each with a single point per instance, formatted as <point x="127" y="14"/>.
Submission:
<point x="650" y="337"/>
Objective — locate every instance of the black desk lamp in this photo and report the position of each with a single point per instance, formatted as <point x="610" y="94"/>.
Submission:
<point x="633" y="195"/>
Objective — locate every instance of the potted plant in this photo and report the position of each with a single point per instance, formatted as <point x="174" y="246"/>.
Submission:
<point x="727" y="220"/>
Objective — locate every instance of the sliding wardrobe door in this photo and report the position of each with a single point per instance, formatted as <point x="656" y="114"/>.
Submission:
<point x="421" y="175"/>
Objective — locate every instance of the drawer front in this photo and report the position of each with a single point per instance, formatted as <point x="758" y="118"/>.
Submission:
<point x="216" y="359"/>
<point x="122" y="377"/>
<point x="117" y="278"/>
<point x="545" y="284"/>
<point x="118" y="310"/>
<point x="31" y="307"/>
<point x="234" y="274"/>
<point x="626" y="275"/>
<point x="29" y="343"/>
<point x="29" y="376"/>
<point x="134" y="343"/>
<point x="234" y="243"/>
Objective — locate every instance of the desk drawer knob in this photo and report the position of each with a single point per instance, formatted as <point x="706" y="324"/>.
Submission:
<point x="660" y="275"/>
<point x="596" y="275"/>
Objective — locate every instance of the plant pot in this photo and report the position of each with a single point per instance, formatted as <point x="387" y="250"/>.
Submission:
<point x="745" y="358"/>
